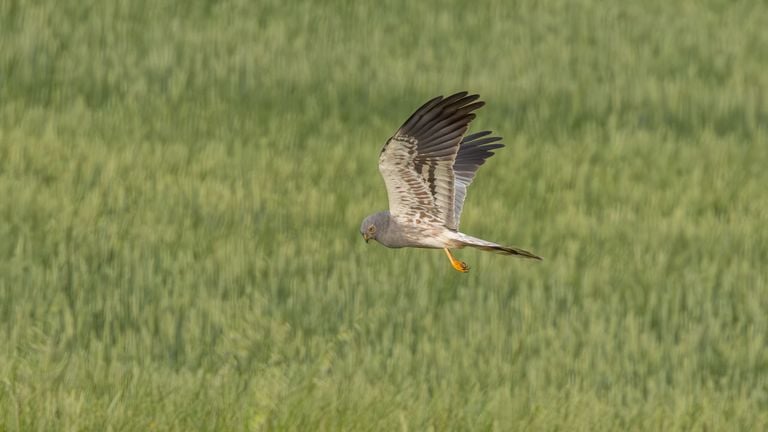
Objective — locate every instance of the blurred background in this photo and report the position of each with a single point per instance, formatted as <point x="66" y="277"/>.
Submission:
<point x="181" y="186"/>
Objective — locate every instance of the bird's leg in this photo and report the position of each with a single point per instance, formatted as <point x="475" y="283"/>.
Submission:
<point x="458" y="265"/>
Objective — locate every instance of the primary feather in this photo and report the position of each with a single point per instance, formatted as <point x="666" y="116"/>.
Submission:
<point x="427" y="166"/>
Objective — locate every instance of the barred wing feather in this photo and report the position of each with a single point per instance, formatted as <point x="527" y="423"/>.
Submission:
<point x="417" y="163"/>
<point x="475" y="149"/>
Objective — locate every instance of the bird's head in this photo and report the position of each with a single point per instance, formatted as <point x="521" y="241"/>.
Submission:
<point x="373" y="225"/>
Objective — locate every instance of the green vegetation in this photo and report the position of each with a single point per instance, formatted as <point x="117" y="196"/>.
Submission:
<point x="181" y="186"/>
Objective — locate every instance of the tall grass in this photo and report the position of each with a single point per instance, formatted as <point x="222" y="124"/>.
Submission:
<point x="181" y="185"/>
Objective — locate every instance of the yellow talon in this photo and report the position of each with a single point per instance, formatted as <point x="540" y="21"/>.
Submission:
<point x="458" y="265"/>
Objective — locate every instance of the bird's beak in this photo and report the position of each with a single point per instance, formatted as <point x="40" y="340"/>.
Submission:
<point x="365" y="237"/>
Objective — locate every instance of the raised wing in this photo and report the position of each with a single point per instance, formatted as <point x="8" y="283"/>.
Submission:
<point x="473" y="152"/>
<point x="417" y="162"/>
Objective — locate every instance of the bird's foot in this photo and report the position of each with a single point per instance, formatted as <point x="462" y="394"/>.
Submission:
<point x="458" y="265"/>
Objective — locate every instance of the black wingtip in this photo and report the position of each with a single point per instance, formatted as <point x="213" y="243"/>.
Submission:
<point x="458" y="95"/>
<point x="420" y="111"/>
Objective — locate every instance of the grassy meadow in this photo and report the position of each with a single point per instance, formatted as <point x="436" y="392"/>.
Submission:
<point x="182" y="183"/>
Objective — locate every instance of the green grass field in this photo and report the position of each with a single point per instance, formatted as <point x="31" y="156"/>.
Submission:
<point x="182" y="183"/>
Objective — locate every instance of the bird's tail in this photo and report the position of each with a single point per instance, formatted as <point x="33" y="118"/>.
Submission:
<point x="465" y="240"/>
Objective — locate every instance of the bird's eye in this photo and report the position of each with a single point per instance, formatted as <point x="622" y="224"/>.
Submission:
<point x="371" y="229"/>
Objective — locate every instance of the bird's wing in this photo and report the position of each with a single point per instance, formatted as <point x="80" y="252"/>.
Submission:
<point x="417" y="162"/>
<point x="473" y="152"/>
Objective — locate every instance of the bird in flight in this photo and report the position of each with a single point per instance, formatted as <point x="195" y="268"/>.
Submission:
<point x="427" y="166"/>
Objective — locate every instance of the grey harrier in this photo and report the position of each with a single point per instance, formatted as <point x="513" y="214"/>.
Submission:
<point x="427" y="166"/>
